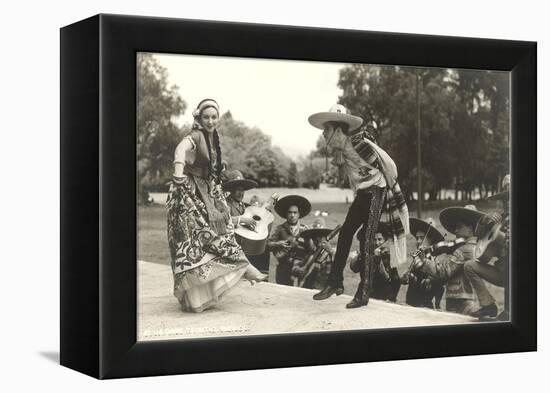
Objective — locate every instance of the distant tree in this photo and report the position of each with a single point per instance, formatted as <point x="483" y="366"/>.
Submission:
<point x="265" y="164"/>
<point x="293" y="178"/>
<point x="312" y="172"/>
<point x="250" y="151"/>
<point x="158" y="135"/>
<point x="464" y="123"/>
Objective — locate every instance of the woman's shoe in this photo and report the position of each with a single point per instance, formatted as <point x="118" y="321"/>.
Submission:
<point x="254" y="275"/>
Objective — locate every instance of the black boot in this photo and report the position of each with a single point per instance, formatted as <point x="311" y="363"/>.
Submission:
<point x="328" y="291"/>
<point x="355" y="303"/>
<point x="359" y="298"/>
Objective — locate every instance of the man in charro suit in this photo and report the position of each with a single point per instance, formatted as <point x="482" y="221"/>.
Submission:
<point x="372" y="175"/>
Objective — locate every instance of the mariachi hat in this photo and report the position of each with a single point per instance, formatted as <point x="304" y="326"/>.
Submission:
<point x="432" y="234"/>
<point x="318" y="229"/>
<point x="503" y="195"/>
<point x="468" y="215"/>
<point x="234" y="178"/>
<point x="337" y="113"/>
<point x="282" y="205"/>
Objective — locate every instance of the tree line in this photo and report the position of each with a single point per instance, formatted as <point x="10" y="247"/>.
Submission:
<point x="464" y="123"/>
<point x="464" y="130"/>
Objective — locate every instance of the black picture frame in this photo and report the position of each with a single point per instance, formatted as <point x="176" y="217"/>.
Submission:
<point x="98" y="196"/>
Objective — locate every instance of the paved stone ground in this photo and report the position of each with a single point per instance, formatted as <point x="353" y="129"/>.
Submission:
<point x="266" y="308"/>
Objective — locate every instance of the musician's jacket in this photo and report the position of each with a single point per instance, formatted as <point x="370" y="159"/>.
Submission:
<point x="448" y="269"/>
<point x="280" y="233"/>
<point x="236" y="208"/>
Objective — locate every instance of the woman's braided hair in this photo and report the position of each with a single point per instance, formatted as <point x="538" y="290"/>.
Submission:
<point x="214" y="171"/>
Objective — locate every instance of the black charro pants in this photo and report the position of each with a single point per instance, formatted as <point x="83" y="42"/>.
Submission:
<point x="366" y="210"/>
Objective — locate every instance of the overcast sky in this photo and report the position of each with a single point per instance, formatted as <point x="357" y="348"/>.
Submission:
<point x="275" y="95"/>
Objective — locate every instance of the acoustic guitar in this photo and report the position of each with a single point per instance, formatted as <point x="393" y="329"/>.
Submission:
<point x="253" y="241"/>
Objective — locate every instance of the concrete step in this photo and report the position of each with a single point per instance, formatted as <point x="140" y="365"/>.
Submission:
<point x="266" y="308"/>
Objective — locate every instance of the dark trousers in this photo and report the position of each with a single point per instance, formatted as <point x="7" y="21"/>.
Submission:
<point x="365" y="210"/>
<point x="386" y="290"/>
<point x="283" y="273"/>
<point x="419" y="297"/>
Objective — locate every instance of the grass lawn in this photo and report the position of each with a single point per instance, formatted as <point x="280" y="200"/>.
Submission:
<point x="153" y="244"/>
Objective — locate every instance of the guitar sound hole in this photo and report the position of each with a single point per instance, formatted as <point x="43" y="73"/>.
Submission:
<point x="256" y="218"/>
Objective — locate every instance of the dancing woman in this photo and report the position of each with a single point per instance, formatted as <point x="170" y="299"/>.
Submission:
<point x="206" y="259"/>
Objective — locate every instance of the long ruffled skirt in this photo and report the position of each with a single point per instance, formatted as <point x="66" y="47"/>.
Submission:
<point x="206" y="265"/>
<point x="197" y="291"/>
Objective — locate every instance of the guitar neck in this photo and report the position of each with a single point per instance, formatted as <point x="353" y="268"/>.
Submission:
<point x="317" y="253"/>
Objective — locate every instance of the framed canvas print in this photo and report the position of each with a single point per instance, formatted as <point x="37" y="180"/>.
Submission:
<point x="295" y="196"/>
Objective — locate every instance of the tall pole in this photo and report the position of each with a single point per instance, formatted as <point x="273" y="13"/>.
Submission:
<point x="420" y="195"/>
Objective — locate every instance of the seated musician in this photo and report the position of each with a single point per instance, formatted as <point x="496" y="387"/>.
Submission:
<point x="284" y="240"/>
<point x="237" y="185"/>
<point x="426" y="235"/>
<point x="385" y="278"/>
<point x="492" y="264"/>
<point x="313" y="271"/>
<point x="386" y="281"/>
<point x="449" y="269"/>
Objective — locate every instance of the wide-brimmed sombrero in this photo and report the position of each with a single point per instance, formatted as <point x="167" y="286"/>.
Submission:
<point x="336" y="113"/>
<point x="318" y="229"/>
<point x="234" y="178"/>
<point x="468" y="215"/>
<point x="431" y="232"/>
<point x="282" y="205"/>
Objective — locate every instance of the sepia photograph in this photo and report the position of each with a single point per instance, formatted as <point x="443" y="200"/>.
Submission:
<point x="285" y="196"/>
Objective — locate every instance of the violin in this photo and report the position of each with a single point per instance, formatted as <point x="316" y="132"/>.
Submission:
<point x="430" y="252"/>
<point x="441" y="247"/>
<point x="381" y="251"/>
